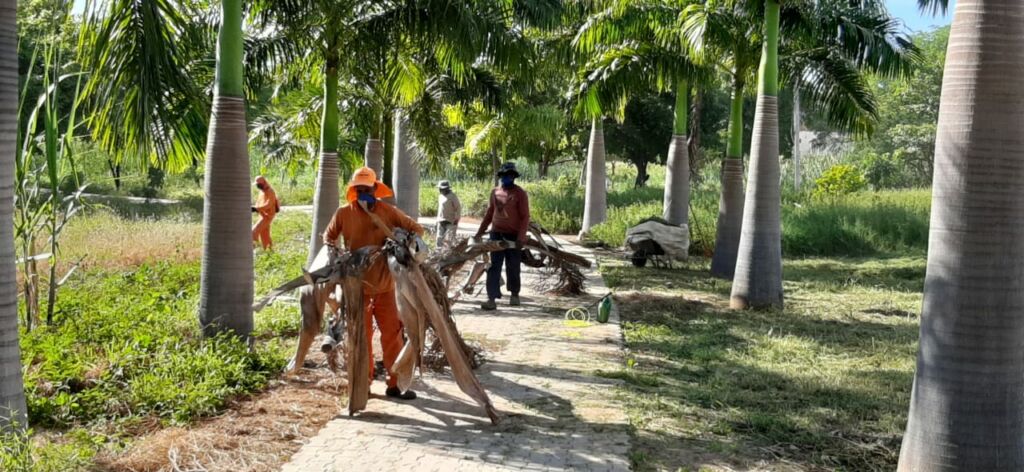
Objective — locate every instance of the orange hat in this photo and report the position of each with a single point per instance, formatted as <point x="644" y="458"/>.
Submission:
<point x="365" y="176"/>
<point x="260" y="180"/>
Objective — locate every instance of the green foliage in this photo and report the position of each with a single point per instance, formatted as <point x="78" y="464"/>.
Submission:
<point x="901" y="153"/>
<point x="130" y="347"/>
<point x="859" y="224"/>
<point x="838" y="180"/>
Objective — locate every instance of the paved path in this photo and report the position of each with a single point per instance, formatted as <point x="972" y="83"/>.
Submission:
<point x="540" y="374"/>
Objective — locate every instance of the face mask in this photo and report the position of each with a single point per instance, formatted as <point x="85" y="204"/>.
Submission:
<point x="507" y="180"/>
<point x="259" y="186"/>
<point x="368" y="198"/>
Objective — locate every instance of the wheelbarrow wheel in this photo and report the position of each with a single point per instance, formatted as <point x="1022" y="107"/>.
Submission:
<point x="639" y="259"/>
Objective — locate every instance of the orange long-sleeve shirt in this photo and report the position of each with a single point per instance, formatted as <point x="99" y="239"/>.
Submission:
<point x="266" y="203"/>
<point x="358" y="229"/>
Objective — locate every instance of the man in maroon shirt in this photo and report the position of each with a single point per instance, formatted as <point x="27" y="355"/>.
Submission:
<point x="508" y="215"/>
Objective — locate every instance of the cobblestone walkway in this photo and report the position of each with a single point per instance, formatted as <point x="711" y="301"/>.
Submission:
<point x="557" y="414"/>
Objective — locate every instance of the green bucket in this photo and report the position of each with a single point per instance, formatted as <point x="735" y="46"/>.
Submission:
<point x="604" y="309"/>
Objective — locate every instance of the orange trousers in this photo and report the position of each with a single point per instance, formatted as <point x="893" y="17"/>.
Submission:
<point x="261" y="232"/>
<point x="383" y="308"/>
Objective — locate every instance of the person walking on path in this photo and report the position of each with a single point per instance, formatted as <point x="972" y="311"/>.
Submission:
<point x="354" y="224"/>
<point x="267" y="206"/>
<point x="449" y="212"/>
<point x="508" y="216"/>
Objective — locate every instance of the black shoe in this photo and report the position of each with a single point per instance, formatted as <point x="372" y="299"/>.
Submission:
<point x="394" y="392"/>
<point x="514" y="300"/>
<point x="489" y="305"/>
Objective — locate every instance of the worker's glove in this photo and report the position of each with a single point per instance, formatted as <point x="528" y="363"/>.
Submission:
<point x="253" y="209"/>
<point x="332" y="253"/>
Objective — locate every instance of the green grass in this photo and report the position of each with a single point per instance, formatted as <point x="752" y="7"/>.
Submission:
<point x="824" y="384"/>
<point x="126" y="347"/>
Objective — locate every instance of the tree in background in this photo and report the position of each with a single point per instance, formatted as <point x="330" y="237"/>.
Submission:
<point x="642" y="137"/>
<point x="902" y="150"/>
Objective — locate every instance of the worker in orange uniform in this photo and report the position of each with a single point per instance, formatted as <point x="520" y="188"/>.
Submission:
<point x="355" y="225"/>
<point x="267" y="206"/>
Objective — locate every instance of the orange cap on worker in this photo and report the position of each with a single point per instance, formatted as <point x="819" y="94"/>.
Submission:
<point x="366" y="177"/>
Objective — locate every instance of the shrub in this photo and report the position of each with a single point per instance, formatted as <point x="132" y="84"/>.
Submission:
<point x="840" y="179"/>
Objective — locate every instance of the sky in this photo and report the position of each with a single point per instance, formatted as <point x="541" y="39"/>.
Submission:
<point x="914" y="19"/>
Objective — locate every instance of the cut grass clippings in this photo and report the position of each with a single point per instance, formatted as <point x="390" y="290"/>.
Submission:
<point x="822" y="385"/>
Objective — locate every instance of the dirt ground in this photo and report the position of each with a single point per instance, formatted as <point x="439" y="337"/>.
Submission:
<point x="259" y="433"/>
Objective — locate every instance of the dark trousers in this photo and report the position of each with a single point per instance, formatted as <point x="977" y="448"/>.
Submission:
<point x="512" y="258"/>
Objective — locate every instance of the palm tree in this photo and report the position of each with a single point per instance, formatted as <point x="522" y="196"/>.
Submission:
<point x="12" y="391"/>
<point x="757" y="282"/>
<point x="595" y="203"/>
<point x="406" y="171"/>
<point x="226" y="282"/>
<point x="725" y="35"/>
<point x="834" y="63"/>
<point x="637" y="45"/>
<point x="965" y="407"/>
<point x="827" y="46"/>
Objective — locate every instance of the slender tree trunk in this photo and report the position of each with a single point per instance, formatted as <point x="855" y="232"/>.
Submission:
<point x="966" y="408"/>
<point x="693" y="142"/>
<point x="544" y="164"/>
<point x="325" y="197"/>
<point x="730" y="204"/>
<point x="406" y="172"/>
<point x="797" y="126"/>
<point x="115" y="172"/>
<point x="595" y="205"/>
<point x="12" y="391"/>
<point x="641" y="173"/>
<point x="389" y="150"/>
<point x="495" y="165"/>
<point x="226" y="282"/>
<point x="373" y="155"/>
<point x="677" y="172"/>
<point x="758" y="279"/>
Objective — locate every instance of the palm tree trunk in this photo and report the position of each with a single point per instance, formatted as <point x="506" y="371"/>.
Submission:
<point x="388" y="154"/>
<point x="797" y="126"/>
<point x="694" y="138"/>
<point x="226" y="282"/>
<point x="406" y="171"/>
<point x="373" y="155"/>
<point x="12" y="391"/>
<point x="325" y="198"/>
<point x="730" y="203"/>
<point x="677" y="174"/>
<point x="758" y="279"/>
<point x="595" y="205"/>
<point x="966" y="408"/>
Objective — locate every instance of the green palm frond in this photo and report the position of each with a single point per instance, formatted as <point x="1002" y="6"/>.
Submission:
<point x="838" y="89"/>
<point x="934" y="6"/>
<point x="147" y="109"/>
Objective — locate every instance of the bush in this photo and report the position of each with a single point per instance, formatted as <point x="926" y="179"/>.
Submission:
<point x="131" y="346"/>
<point x="840" y="179"/>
